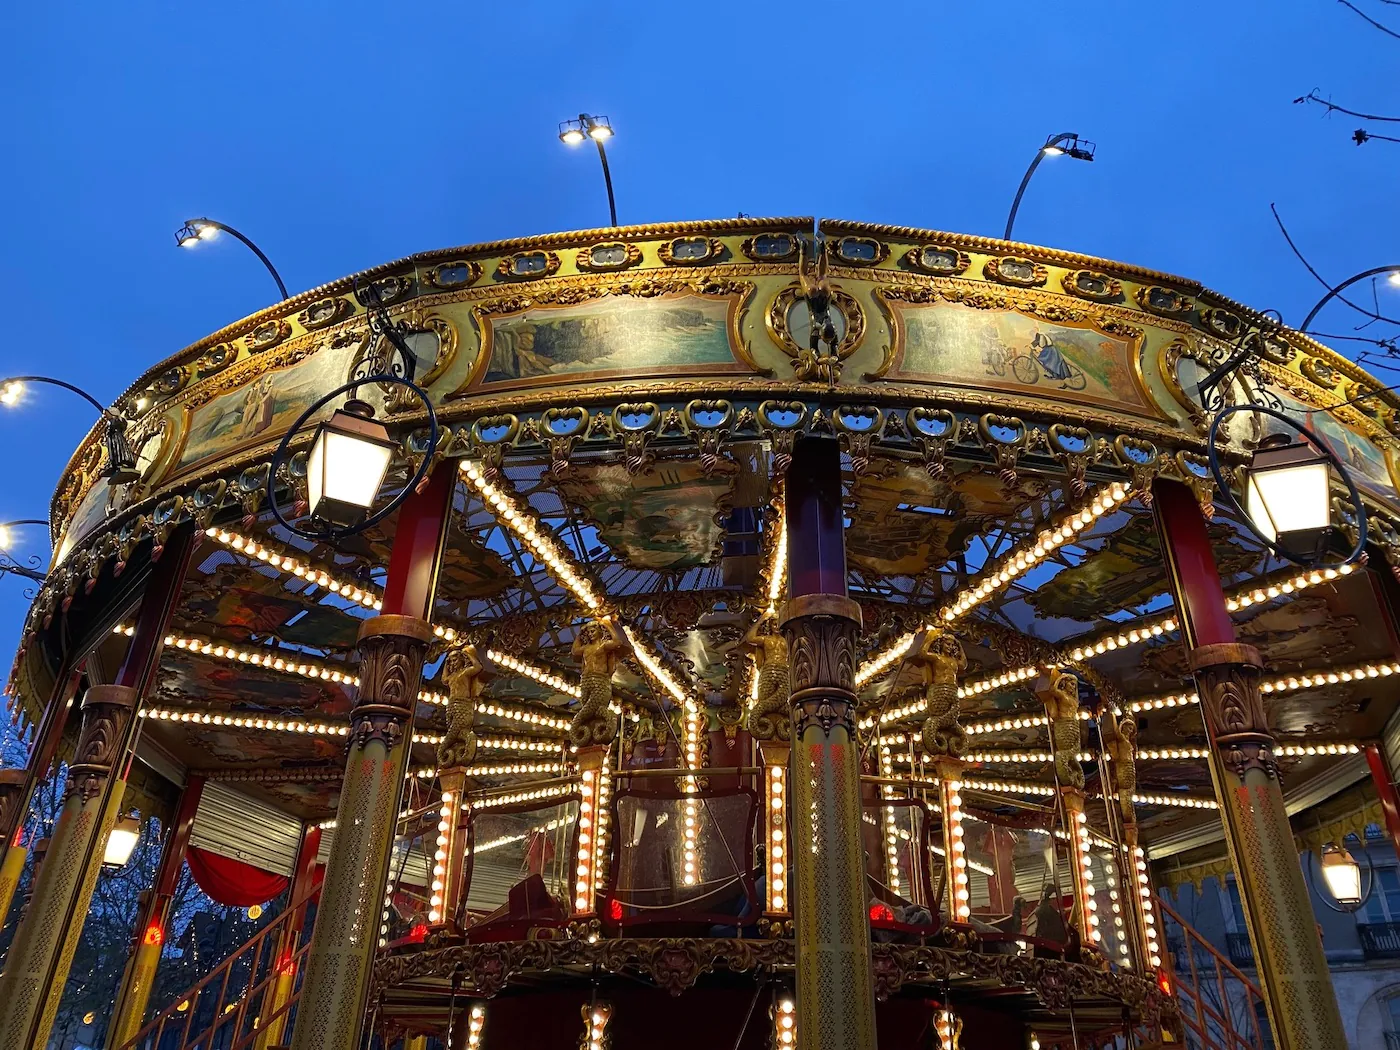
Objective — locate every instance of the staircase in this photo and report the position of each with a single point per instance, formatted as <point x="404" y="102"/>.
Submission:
<point x="1221" y="1008"/>
<point x="247" y="1002"/>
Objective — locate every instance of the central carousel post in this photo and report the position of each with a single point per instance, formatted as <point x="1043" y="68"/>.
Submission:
<point x="835" y="981"/>
<point x="1282" y="930"/>
<point x="392" y="647"/>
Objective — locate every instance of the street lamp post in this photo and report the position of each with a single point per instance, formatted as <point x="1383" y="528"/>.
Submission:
<point x="599" y="129"/>
<point x="121" y="460"/>
<point x="197" y="230"/>
<point x="8" y="562"/>
<point x="1066" y="143"/>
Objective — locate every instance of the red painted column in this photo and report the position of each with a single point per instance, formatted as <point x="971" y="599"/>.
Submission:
<point x="835" y="977"/>
<point x="39" y="960"/>
<point x="392" y="647"/>
<point x="1385" y="791"/>
<point x="134" y="993"/>
<point x="1277" y="909"/>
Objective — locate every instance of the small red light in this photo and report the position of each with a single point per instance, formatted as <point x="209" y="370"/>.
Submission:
<point x="881" y="913"/>
<point x="1164" y="982"/>
<point x="19" y="837"/>
<point x="615" y="910"/>
<point x="419" y="933"/>
<point x="154" y="934"/>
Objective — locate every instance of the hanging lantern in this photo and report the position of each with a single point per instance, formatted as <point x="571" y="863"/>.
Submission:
<point x="121" y="843"/>
<point x="347" y="464"/>
<point x="1342" y="874"/>
<point x="1287" y="495"/>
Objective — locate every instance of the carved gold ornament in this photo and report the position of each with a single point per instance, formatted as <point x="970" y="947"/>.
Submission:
<point x="267" y="335"/>
<point x="780" y="309"/>
<point x="325" y="312"/>
<point x="770" y="247"/>
<point x="527" y="266"/>
<point x="610" y="255"/>
<point x="458" y="273"/>
<point x="1090" y="284"/>
<point x="1165" y="302"/>
<point x="937" y="260"/>
<point x="1009" y="269"/>
<point x="691" y="251"/>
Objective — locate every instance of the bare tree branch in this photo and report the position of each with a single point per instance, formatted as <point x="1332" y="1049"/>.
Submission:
<point x="1361" y="136"/>
<point x="1384" y="29"/>
<point x="1332" y="107"/>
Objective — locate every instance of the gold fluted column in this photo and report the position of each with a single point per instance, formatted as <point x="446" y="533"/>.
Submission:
<point x="1278" y="912"/>
<point x="13" y="783"/>
<point x="346" y="933"/>
<point x="835" y="982"/>
<point x="37" y="967"/>
<point x="1288" y="952"/>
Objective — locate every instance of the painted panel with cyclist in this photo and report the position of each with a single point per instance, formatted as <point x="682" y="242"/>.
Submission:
<point x="949" y="342"/>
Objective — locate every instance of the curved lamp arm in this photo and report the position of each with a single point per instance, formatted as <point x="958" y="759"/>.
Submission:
<point x="101" y="408"/>
<point x="193" y="226"/>
<point x="1050" y="144"/>
<point x="1336" y="290"/>
<point x="7" y="560"/>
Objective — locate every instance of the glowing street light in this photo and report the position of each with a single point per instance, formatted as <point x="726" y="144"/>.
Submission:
<point x="1287" y="495"/>
<point x="1342" y="874"/>
<point x="199" y="231"/>
<point x="599" y="129"/>
<point x="1067" y="143"/>
<point x="121" y="460"/>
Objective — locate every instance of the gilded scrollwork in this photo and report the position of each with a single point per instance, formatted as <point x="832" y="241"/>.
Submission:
<point x="325" y="312"/>
<point x="527" y="266"/>
<point x="1090" y="284"/>
<point x="607" y="257"/>
<point x="1165" y="302"/>
<point x="774" y="247"/>
<point x="267" y="335"/>
<point x="1010" y="269"/>
<point x="937" y="260"/>
<point x="456" y="273"/>
<point x="691" y="251"/>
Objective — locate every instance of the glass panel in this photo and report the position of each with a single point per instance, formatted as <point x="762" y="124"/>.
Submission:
<point x="508" y="849"/>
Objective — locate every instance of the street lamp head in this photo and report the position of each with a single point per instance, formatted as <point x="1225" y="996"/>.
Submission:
<point x="1070" y="145"/>
<point x="571" y="132"/>
<point x="11" y="392"/>
<point x="5" y="537"/>
<point x="1287" y="495"/>
<point x="121" y="842"/>
<point x="1342" y="874"/>
<point x="599" y="129"/>
<point x="1394" y="278"/>
<point x="345" y="469"/>
<point x="1051" y="151"/>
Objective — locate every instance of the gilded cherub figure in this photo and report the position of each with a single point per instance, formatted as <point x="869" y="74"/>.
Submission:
<point x="941" y="659"/>
<point x="598" y="647"/>
<point x="462" y="672"/>
<point x="769" y="718"/>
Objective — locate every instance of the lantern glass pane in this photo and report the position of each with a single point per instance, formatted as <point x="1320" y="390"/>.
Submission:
<point x="1289" y="499"/>
<point x="1343" y="876"/>
<point x="345" y="468"/>
<point x="120" y="844"/>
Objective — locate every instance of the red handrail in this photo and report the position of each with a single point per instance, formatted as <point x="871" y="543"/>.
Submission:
<point x="1213" y="1022"/>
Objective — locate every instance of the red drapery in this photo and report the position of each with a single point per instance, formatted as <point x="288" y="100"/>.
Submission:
<point x="231" y="882"/>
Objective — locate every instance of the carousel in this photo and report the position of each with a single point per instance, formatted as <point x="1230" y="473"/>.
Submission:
<point x="761" y="632"/>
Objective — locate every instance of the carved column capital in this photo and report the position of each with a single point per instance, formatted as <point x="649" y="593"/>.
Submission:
<point x="1227" y="678"/>
<point x="821" y="632"/>
<point x="391" y="651"/>
<point x="106" y="710"/>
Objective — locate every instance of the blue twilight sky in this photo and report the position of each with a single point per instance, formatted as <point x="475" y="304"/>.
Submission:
<point x="341" y="135"/>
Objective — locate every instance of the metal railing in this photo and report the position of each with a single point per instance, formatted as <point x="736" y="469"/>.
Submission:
<point x="1221" y="1008"/>
<point x="239" y="1004"/>
<point x="1379" y="940"/>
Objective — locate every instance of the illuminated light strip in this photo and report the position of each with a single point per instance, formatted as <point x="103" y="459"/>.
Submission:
<point x="272" y="724"/>
<point x="506" y="840"/>
<point x="785" y="1023"/>
<point x="476" y="1021"/>
<point x="1282" y="684"/>
<point x="1144" y="889"/>
<point x="940" y="852"/>
<point x="1180" y="801"/>
<point x="1008" y="787"/>
<point x="952" y="819"/>
<point x="777" y="583"/>
<point x="278" y="558"/>
<point x="496" y="801"/>
<point x="658" y="670"/>
<point x="690" y="861"/>
<point x="777" y="832"/>
<point x="1012" y="566"/>
<point x="1120" y="931"/>
<point x="1152" y="754"/>
<point x="490" y="707"/>
<point x="1157" y="703"/>
<point x="537" y="538"/>
<point x="891" y="824"/>
<point x="596" y="1018"/>
<point x="947" y="1026"/>
<point x="1242" y="598"/>
<point x="501" y="743"/>
<point x="539" y="674"/>
<point x="976" y="688"/>
<point x="592" y="835"/>
<point x="1086" y="874"/>
<point x="1029" y="755"/>
<point x="446" y="814"/>
<point x="505" y="769"/>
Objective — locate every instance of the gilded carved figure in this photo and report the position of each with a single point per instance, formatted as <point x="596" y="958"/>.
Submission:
<point x="940" y="659"/>
<point x="769" y="717"/>
<point x="1062" y="707"/>
<point x="1121" y="744"/>
<point x="812" y="363"/>
<point x="462" y="673"/>
<point x="598" y="648"/>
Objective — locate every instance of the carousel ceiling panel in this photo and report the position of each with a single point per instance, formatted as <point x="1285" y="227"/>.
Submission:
<point x="186" y="680"/>
<point x="668" y="517"/>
